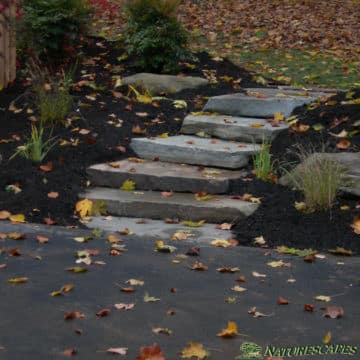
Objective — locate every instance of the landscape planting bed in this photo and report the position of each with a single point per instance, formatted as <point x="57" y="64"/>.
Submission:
<point x="110" y="121"/>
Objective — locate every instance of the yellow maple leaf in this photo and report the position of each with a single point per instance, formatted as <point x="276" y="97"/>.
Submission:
<point x="84" y="207"/>
<point x="257" y="125"/>
<point x="221" y="243"/>
<point x="230" y="331"/>
<point x="194" y="350"/>
<point x="19" y="218"/>
<point x="279" y="116"/>
<point x="128" y="185"/>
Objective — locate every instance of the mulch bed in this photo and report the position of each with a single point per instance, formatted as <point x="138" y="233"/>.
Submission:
<point x="277" y="219"/>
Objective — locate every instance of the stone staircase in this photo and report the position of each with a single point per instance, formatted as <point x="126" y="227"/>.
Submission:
<point x="210" y="152"/>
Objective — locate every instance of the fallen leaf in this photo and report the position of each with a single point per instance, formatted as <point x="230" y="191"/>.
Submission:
<point x="84" y="207"/>
<point x="134" y="282"/>
<point x="137" y="130"/>
<point x="74" y="315"/>
<point x="118" y="351"/>
<point x="103" y="312"/>
<point x="333" y="312"/>
<point x="46" y="167"/>
<point x="257" y="125"/>
<point x="203" y="196"/>
<point x="128" y="185"/>
<point x="309" y="307"/>
<point x="19" y="280"/>
<point x="282" y="301"/>
<point x="238" y="288"/>
<point x="198" y="266"/>
<point x="69" y="352"/>
<point x="356" y="225"/>
<point x="77" y="269"/>
<point x="194" y="350"/>
<point x="122" y="306"/>
<point x="258" y="275"/>
<point x="53" y="195"/>
<point x="259" y="240"/>
<point x="148" y="298"/>
<point x="224" y="226"/>
<point x="327" y="338"/>
<point x="230" y="331"/>
<point x="278" y="264"/>
<point x="256" y="314"/>
<point x="16" y="236"/>
<point x="194" y="251"/>
<point x="221" y="243"/>
<point x="323" y="298"/>
<point x="343" y="144"/>
<point x="279" y="116"/>
<point x="164" y="331"/>
<point x="193" y="223"/>
<point x="182" y="235"/>
<point x="14" y="252"/>
<point x="49" y="221"/>
<point x="18" y="218"/>
<point x="162" y="247"/>
<point x="230" y="270"/>
<point x="241" y="278"/>
<point x="340" y="251"/>
<point x="4" y="215"/>
<point x="152" y="352"/>
<point x="114" y="165"/>
<point x="167" y="193"/>
<point x="42" y="239"/>
<point x="128" y="290"/>
<point x="113" y="239"/>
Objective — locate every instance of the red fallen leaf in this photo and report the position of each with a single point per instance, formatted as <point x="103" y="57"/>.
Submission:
<point x="14" y="252"/>
<point x="78" y="331"/>
<point x="103" y="312"/>
<point x="333" y="312"/>
<point x="167" y="193"/>
<point x="282" y="301"/>
<point x="69" y="352"/>
<point x="91" y="140"/>
<point x="194" y="251"/>
<point x="49" y="221"/>
<point x="343" y="144"/>
<point x="42" y="239"/>
<point x="53" y="195"/>
<point x="74" y="315"/>
<point x="46" y="167"/>
<point x="173" y="290"/>
<point x="152" y="352"/>
<point x="115" y="252"/>
<point x="127" y="289"/>
<point x="309" y="307"/>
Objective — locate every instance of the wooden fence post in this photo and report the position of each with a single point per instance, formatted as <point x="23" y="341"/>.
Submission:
<point x="7" y="44"/>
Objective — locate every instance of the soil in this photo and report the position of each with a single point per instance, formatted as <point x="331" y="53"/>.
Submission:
<point x="277" y="219"/>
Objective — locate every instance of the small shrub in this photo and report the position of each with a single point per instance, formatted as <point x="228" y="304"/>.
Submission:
<point x="263" y="166"/>
<point x="35" y="147"/>
<point x="154" y="35"/>
<point x="318" y="177"/>
<point x="52" y="27"/>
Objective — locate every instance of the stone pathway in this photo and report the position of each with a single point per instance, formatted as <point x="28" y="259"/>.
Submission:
<point x="209" y="153"/>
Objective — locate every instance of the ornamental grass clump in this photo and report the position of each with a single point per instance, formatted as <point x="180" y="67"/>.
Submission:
<point x="263" y="166"/>
<point x="318" y="177"/>
<point x="154" y="35"/>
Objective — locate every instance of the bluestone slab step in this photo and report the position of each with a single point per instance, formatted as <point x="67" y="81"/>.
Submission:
<point x="195" y="150"/>
<point x="152" y="205"/>
<point x="260" y="102"/>
<point x="233" y="128"/>
<point x="157" y="175"/>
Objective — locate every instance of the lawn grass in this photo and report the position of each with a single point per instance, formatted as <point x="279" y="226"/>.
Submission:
<point x="300" y="67"/>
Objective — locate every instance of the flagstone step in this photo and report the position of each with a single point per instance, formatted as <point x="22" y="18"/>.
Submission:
<point x="157" y="175"/>
<point x="159" y="229"/>
<point x="153" y="205"/>
<point x="233" y="128"/>
<point x="261" y="102"/>
<point x="195" y="150"/>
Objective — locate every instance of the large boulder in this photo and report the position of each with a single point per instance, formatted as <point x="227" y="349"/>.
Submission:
<point x="350" y="163"/>
<point x="169" y="84"/>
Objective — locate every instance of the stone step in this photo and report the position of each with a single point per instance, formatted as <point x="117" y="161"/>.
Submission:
<point x="159" y="229"/>
<point x="261" y="102"/>
<point x="152" y="205"/>
<point x="157" y="175"/>
<point x="195" y="150"/>
<point x="233" y="128"/>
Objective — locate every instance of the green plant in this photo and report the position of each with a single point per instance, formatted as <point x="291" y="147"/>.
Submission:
<point x="52" y="27"/>
<point x="318" y="177"/>
<point x="35" y="147"/>
<point x="263" y="165"/>
<point x="154" y="35"/>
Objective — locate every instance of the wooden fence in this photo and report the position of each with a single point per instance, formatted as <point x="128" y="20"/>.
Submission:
<point x="7" y="45"/>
